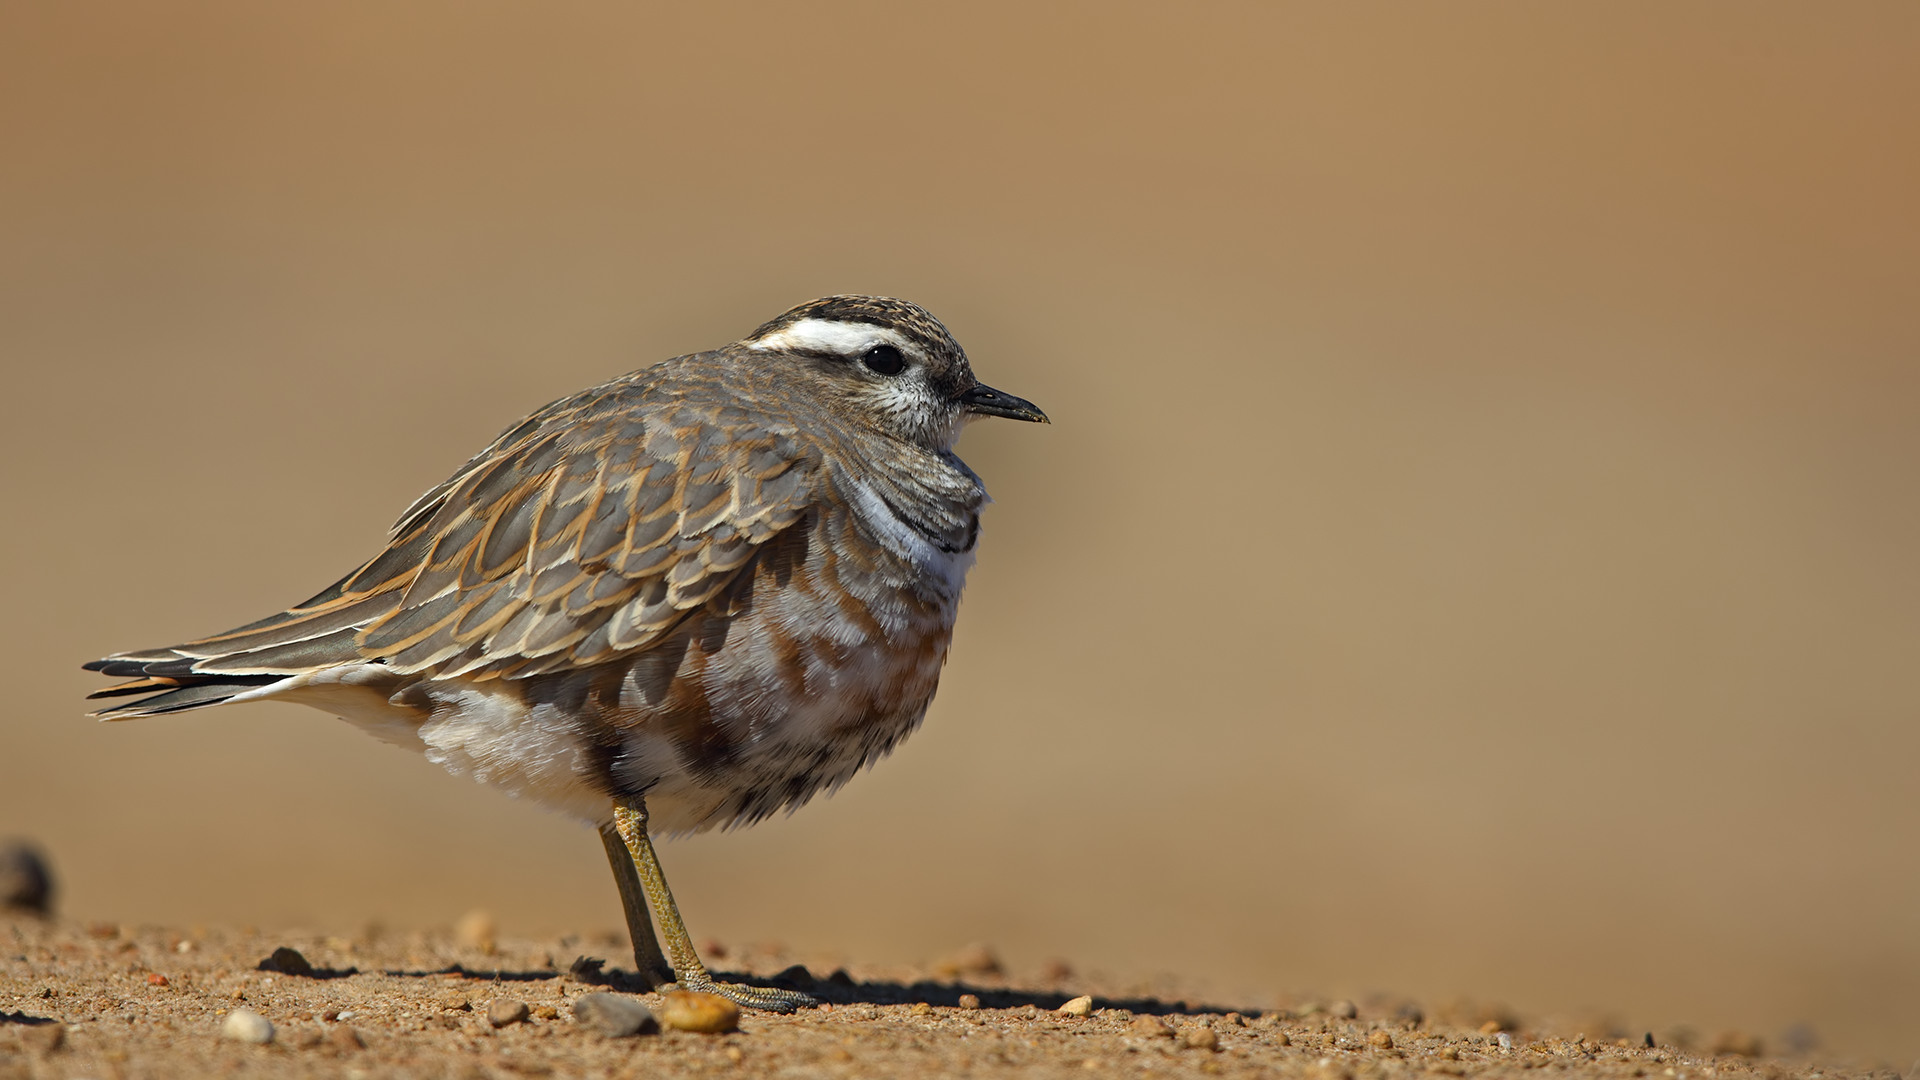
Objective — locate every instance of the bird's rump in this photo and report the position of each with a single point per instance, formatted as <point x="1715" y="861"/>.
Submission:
<point x="589" y="530"/>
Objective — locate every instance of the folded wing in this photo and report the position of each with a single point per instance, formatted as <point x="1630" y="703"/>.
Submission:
<point x="588" y="531"/>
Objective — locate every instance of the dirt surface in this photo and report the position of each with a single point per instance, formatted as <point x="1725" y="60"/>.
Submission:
<point x="123" y="1002"/>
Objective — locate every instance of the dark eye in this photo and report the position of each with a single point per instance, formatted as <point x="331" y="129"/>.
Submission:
<point x="884" y="360"/>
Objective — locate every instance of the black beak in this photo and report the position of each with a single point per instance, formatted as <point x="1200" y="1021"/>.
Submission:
<point x="984" y="400"/>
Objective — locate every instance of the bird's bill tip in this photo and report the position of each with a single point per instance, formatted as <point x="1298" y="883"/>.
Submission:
<point x="984" y="400"/>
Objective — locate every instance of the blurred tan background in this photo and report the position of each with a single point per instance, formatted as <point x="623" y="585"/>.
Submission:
<point x="1475" y="552"/>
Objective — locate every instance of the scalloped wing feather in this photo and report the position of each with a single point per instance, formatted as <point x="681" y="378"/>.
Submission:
<point x="589" y="530"/>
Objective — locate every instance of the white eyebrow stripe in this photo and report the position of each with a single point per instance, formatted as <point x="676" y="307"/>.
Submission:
<point x="833" y="336"/>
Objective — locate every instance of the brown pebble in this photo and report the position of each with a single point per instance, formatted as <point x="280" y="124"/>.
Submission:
<point x="1382" y="1040"/>
<point x="1281" y="1038"/>
<point x="476" y="930"/>
<point x="306" y="1038"/>
<point x="287" y="962"/>
<point x="1234" y="1019"/>
<point x="545" y="1012"/>
<point x="1450" y="1054"/>
<point x="1080" y="1006"/>
<point x="695" y="1010"/>
<point x="1491" y="1027"/>
<point x="1149" y="1027"/>
<point x="504" y="1011"/>
<point x="345" y="1039"/>
<point x="157" y="979"/>
<point x="969" y="1001"/>
<point x="920" y="1008"/>
<point x="1200" y="1037"/>
<point x="972" y="960"/>
<point x="25" y="882"/>
<point x="1345" y="1010"/>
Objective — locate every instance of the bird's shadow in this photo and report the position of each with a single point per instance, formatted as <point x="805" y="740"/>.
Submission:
<point x="839" y="988"/>
<point x="25" y="1019"/>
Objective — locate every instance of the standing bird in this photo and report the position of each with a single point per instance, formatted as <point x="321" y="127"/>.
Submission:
<point x="685" y="598"/>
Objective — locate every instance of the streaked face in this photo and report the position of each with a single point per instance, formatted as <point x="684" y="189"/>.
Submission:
<point x="899" y="366"/>
<point x="902" y="385"/>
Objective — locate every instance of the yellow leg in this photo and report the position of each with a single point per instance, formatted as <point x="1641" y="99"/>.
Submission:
<point x="647" y="958"/>
<point x="630" y="822"/>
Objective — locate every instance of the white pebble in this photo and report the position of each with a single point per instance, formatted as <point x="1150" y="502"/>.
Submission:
<point x="1079" y="1006"/>
<point x="1506" y="1041"/>
<point x="247" y="1026"/>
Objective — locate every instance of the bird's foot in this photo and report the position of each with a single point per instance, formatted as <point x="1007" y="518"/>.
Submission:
<point x="764" y="998"/>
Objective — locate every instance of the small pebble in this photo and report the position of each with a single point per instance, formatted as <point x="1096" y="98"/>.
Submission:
<point x="1505" y="1040"/>
<point x="476" y="930"/>
<point x="920" y="1008"/>
<point x="1345" y="1010"/>
<point x="25" y="882"/>
<point x="247" y="1026"/>
<point x="287" y="962"/>
<point x="1149" y="1027"/>
<point x="156" y="979"/>
<point x="1080" y="1006"/>
<point x="614" y="1016"/>
<point x="1281" y="1038"/>
<point x="455" y="1000"/>
<point x="504" y="1011"/>
<point x="694" y="1010"/>
<point x="1737" y="1042"/>
<point x="545" y="1012"/>
<point x="345" y="1039"/>
<point x="972" y="960"/>
<point x="1380" y="1040"/>
<point x="969" y="1001"/>
<point x="1200" y="1037"/>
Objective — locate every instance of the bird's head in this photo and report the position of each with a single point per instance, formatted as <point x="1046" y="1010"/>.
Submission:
<point x="890" y="364"/>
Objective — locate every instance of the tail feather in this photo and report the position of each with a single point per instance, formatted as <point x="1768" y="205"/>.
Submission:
<point x="175" y="694"/>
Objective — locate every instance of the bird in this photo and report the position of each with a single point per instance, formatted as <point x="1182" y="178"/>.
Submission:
<point x="684" y="599"/>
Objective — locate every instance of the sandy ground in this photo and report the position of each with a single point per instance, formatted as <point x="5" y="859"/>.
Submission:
<point x="107" y="1001"/>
